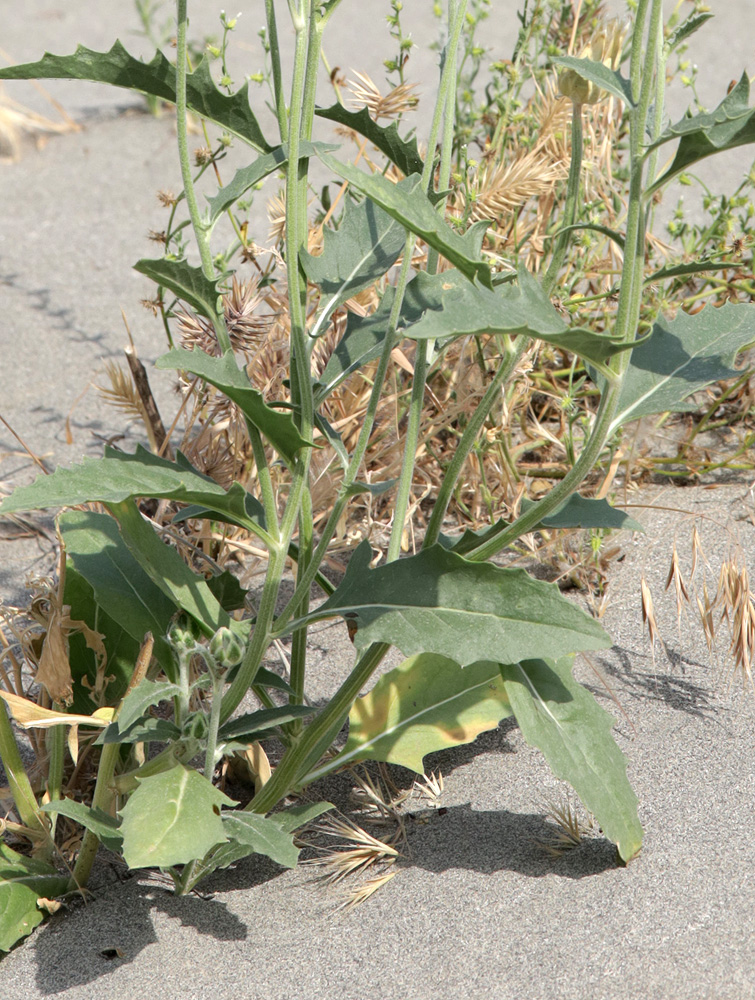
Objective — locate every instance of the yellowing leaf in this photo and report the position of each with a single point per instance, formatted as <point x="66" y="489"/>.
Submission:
<point x="425" y="704"/>
<point x="29" y="715"/>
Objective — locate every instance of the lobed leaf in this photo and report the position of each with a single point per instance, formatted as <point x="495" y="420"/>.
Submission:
<point x="728" y="126"/>
<point x="437" y="602"/>
<point x="403" y="152"/>
<point x="367" y="242"/>
<point x="246" y="177"/>
<point x="156" y="78"/>
<point x="121" y="476"/>
<point x="682" y="356"/>
<point x="172" y="818"/>
<point x="408" y="204"/>
<point x="453" y="307"/>
<point x="575" y="512"/>
<point x="561" y="718"/>
<point x="603" y="76"/>
<point x="425" y="704"/>
<point x="188" y="283"/>
<point x="22" y="882"/>
<point x="278" y="427"/>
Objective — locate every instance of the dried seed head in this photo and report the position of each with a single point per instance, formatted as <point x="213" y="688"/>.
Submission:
<point x="648" y="611"/>
<point x="396" y="103"/>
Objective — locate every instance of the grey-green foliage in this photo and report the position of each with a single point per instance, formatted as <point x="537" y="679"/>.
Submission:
<point x="436" y="605"/>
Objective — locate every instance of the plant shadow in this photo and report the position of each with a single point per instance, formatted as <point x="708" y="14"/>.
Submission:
<point x="116" y="926"/>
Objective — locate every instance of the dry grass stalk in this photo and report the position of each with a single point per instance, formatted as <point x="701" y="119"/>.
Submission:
<point x="566" y="828"/>
<point x="16" y="121"/>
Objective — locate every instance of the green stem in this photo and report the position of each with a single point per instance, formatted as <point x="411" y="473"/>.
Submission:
<point x="445" y="107"/>
<point x="261" y="636"/>
<point x="570" y="207"/>
<point x="514" y="351"/>
<point x="266" y="484"/>
<point x="18" y="780"/>
<point x="627" y="313"/>
<point x="318" y="736"/>
<point x="280" y="99"/>
<point x="200" y="229"/>
<point x="55" y="746"/>
<point x="102" y="799"/>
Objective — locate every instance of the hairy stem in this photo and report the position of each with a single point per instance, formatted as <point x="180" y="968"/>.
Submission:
<point x="200" y="229"/>
<point x="563" y="239"/>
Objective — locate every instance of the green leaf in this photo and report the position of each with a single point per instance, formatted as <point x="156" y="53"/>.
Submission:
<point x="694" y="267"/>
<point x="228" y="592"/>
<point x="253" y="725"/>
<point x="408" y="204"/>
<point x="144" y="696"/>
<point x="121" y="588"/>
<point x="685" y="29"/>
<point x="403" y="152"/>
<point x="361" y="343"/>
<point x="186" y="282"/>
<point x="729" y="125"/>
<point x="425" y="704"/>
<point x="279" y="428"/>
<point x="596" y="72"/>
<point x="262" y="835"/>
<point x="367" y="242"/>
<point x="156" y="78"/>
<point x="121" y="476"/>
<point x="437" y="602"/>
<point x="120" y="648"/>
<point x="282" y="822"/>
<point x="253" y="513"/>
<point x="106" y="828"/>
<point x="575" y="512"/>
<point x="172" y="818"/>
<point x="561" y="718"/>
<point x="682" y="356"/>
<point x="166" y="568"/>
<point x="454" y="307"/>
<point x="297" y="816"/>
<point x="246" y="177"/>
<point x="584" y="512"/>
<point x="142" y="731"/>
<point x="22" y="882"/>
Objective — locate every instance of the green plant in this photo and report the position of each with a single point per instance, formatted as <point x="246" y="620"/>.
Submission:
<point x="145" y="627"/>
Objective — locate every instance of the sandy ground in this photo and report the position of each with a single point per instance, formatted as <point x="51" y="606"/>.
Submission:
<point x="476" y="910"/>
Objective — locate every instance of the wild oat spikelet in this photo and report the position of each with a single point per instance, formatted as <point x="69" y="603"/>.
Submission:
<point x="395" y="103"/>
<point x="276" y="213"/>
<point x="648" y="613"/>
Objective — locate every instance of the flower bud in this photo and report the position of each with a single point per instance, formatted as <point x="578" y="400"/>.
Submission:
<point x="226" y="648"/>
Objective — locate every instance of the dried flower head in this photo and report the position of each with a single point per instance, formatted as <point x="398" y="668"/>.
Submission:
<point x="166" y="198"/>
<point x="202" y="155"/>
<point x="245" y="324"/>
<point x="395" y="103"/>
